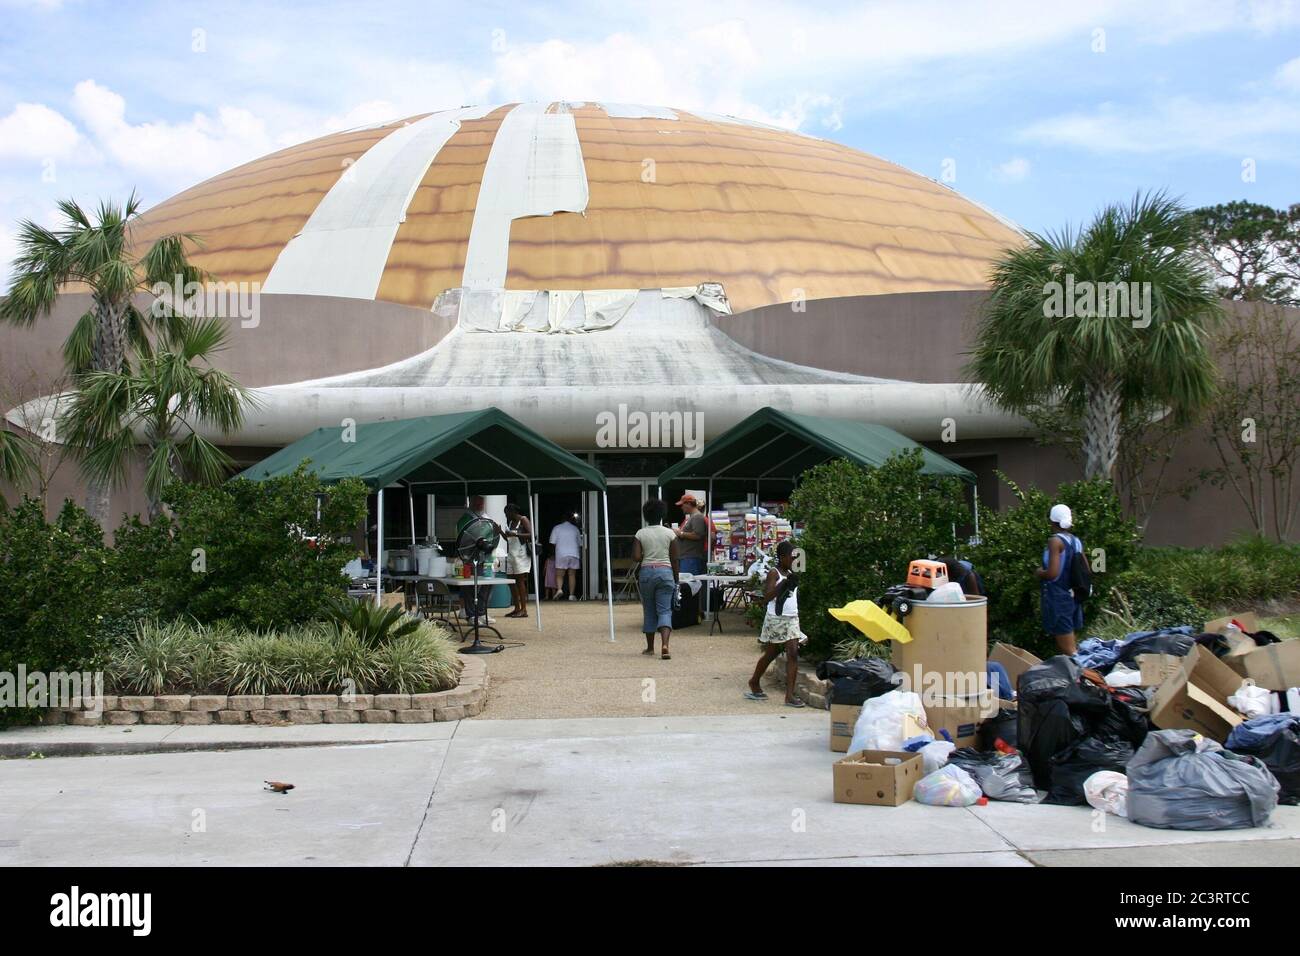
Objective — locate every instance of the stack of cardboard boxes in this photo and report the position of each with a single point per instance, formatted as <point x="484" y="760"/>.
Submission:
<point x="1188" y="692"/>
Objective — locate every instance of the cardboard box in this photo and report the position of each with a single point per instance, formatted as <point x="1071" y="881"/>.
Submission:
<point x="1182" y="702"/>
<point x="844" y="717"/>
<point x="865" y="778"/>
<point x="1247" y="618"/>
<point x="1157" y="668"/>
<point x="960" y="716"/>
<point x="1273" y="666"/>
<point x="1016" y="660"/>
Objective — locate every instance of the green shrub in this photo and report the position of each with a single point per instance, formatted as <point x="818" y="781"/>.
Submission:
<point x="861" y="528"/>
<point x="1011" y="547"/>
<point x="418" y="663"/>
<point x="249" y="552"/>
<point x="1139" y="602"/>
<point x="1243" y="573"/>
<point x="156" y="658"/>
<point x="370" y="624"/>
<point x="54" y="584"/>
<point x="183" y="657"/>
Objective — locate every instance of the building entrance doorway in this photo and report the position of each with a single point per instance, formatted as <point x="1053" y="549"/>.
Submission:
<point x="626" y="496"/>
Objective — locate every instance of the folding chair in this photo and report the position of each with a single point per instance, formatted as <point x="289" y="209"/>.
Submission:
<point x="436" y="602"/>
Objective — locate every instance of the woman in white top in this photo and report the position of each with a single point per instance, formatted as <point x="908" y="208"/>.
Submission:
<point x="518" y="533"/>
<point x="780" y="626"/>
<point x="656" y="548"/>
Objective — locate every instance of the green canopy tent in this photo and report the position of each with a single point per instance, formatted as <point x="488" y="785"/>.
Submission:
<point x="485" y="450"/>
<point x="776" y="446"/>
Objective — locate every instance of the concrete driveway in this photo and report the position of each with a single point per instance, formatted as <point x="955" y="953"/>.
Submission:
<point x="694" y="790"/>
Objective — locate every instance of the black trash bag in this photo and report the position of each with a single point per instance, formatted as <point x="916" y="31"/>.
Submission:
<point x="1125" y="720"/>
<point x="1060" y="678"/>
<point x="1162" y="642"/>
<point x="1216" y="644"/>
<point x="1000" y="776"/>
<point x="687" y="612"/>
<point x="1280" y="753"/>
<point x="1262" y="638"/>
<point x="1071" y="767"/>
<point x="1003" y="725"/>
<point x="1044" y="730"/>
<point x="857" y="681"/>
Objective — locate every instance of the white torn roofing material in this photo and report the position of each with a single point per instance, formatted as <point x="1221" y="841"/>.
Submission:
<point x="637" y="111"/>
<point x="535" y="168"/>
<point x="344" y="246"/>
<point x="559" y="310"/>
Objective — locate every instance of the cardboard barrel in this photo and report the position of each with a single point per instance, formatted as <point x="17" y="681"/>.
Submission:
<point x="947" y="654"/>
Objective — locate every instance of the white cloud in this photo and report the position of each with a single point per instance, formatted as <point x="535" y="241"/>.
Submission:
<point x="173" y="154"/>
<point x="1014" y="170"/>
<point x="1288" y="75"/>
<point x="33" y="131"/>
<point x="1177" y="125"/>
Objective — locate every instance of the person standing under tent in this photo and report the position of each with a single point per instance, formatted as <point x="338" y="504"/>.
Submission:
<point x="692" y="536"/>
<point x="567" y="540"/>
<point x="780" y="625"/>
<point x="475" y="599"/>
<point x="656" y="548"/>
<point x="1062" y="607"/>
<point x="518" y="533"/>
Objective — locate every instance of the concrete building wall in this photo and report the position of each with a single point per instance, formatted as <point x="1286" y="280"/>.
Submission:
<point x="923" y="337"/>
<point x="917" y="337"/>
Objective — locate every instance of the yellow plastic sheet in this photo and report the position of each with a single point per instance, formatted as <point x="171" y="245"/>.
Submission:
<point x="872" y="620"/>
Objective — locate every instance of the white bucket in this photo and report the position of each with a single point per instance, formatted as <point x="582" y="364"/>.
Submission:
<point x="438" y="566"/>
<point x="424" y="559"/>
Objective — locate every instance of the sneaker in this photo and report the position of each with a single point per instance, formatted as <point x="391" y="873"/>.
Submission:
<point x="572" y="597"/>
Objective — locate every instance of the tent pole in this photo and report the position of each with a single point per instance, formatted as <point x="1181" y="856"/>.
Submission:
<point x="609" y="570"/>
<point x="379" y="550"/>
<point x="410" y="501"/>
<point x="976" y="496"/>
<point x="708" y="549"/>
<point x="532" y="546"/>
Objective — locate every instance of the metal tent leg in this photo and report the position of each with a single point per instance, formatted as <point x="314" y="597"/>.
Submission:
<point x="609" y="568"/>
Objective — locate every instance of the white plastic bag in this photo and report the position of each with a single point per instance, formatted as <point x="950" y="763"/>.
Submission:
<point x="1252" y="700"/>
<point x="950" y="593"/>
<point x="881" y="725"/>
<point x="1107" y="790"/>
<point x="935" y="755"/>
<point x="1122" y="676"/>
<point x="948" y="786"/>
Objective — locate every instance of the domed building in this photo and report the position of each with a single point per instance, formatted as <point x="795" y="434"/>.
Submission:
<point x="568" y="261"/>
<point x="567" y="258"/>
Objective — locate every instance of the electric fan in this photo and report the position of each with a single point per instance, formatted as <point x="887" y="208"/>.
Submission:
<point x="474" y="545"/>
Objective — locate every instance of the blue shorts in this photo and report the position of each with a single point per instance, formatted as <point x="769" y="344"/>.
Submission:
<point x="1062" y="614"/>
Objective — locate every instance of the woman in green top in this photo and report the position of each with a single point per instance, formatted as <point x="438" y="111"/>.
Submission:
<point x="656" y="548"/>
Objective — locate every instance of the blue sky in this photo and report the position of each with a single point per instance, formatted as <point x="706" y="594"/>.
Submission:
<point x="1042" y="111"/>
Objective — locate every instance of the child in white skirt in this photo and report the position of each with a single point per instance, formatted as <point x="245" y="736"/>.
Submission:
<point x="780" y="625"/>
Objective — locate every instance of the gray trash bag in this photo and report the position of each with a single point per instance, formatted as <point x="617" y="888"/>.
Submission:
<point x="1179" y="780"/>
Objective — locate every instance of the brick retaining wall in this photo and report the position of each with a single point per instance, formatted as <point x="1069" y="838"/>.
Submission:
<point x="464" y="700"/>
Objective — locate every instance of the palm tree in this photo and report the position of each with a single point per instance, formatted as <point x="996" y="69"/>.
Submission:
<point x="17" y="459"/>
<point x="97" y="254"/>
<point x="171" y="392"/>
<point x="1105" y="325"/>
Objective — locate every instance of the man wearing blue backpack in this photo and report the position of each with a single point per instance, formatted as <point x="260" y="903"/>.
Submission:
<point x="1066" y="581"/>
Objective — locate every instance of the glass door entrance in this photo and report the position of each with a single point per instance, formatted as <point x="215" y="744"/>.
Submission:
<point x="626" y="496"/>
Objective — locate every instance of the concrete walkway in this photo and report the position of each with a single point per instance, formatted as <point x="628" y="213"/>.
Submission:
<point x="572" y="669"/>
<point x="698" y="790"/>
